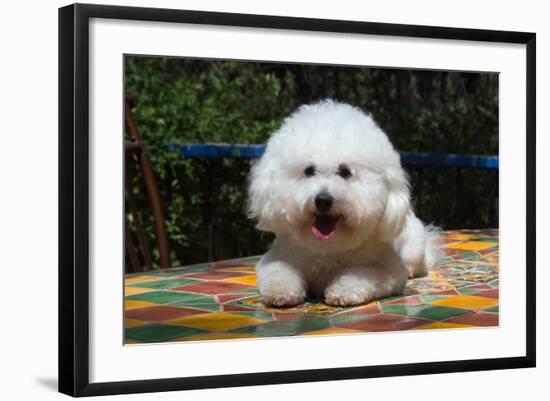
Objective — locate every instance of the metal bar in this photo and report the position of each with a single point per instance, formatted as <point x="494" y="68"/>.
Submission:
<point x="137" y="219"/>
<point x="196" y="150"/>
<point x="150" y="185"/>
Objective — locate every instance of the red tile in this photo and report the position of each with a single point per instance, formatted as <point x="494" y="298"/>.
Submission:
<point x="492" y="293"/>
<point x="234" y="308"/>
<point x="478" y="287"/>
<point x="159" y="313"/>
<point x="381" y="322"/>
<point x="365" y="310"/>
<point x="231" y="297"/>
<point x="451" y="252"/>
<point x="447" y="292"/>
<point x="290" y="316"/>
<point x="414" y="300"/>
<point x="211" y="287"/>
<point x="478" y="318"/>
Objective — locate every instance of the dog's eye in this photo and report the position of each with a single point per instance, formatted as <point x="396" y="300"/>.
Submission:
<point x="309" y="171"/>
<point x="344" y="172"/>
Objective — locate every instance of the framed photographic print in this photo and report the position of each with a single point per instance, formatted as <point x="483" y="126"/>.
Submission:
<point x="252" y="199"/>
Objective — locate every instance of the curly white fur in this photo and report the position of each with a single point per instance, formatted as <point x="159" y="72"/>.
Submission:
<point x="367" y="242"/>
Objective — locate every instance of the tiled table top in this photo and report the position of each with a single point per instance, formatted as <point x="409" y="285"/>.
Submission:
<point x="220" y="300"/>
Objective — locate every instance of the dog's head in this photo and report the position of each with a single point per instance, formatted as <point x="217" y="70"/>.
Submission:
<point x="330" y="179"/>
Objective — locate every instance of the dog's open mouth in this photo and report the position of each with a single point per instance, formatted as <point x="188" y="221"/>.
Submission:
<point x="324" y="226"/>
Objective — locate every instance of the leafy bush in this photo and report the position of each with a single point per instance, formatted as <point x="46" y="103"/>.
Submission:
<point x="202" y="101"/>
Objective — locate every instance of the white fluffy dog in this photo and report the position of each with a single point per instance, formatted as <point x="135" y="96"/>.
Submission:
<point x="331" y="187"/>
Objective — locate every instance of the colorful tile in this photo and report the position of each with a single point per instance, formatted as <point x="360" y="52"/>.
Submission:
<point x="185" y="299"/>
<point x="130" y="323"/>
<point x="382" y="322"/>
<point x="216" y="275"/>
<point x="160" y="312"/>
<point x="431" y="312"/>
<point x="478" y="318"/>
<point x="135" y="290"/>
<point x="165" y="284"/>
<point x="459" y="236"/>
<point x="217" y="321"/>
<point x="248" y="280"/>
<point x="443" y="325"/>
<point x="329" y="331"/>
<point x="220" y="301"/>
<point x="471" y="245"/>
<point x="215" y="336"/>
<point x="467" y="301"/>
<point x="212" y="287"/>
<point x="489" y="293"/>
<point x="156" y="332"/>
<point x="134" y="304"/>
<point x="159" y="297"/>
<point x="286" y="327"/>
<point x="138" y="279"/>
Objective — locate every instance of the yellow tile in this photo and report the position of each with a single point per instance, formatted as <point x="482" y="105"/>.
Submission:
<point x="139" y="279"/>
<point x="443" y="325"/>
<point x="216" y="336"/>
<point x="248" y="280"/>
<point x="467" y="301"/>
<point x="130" y="323"/>
<point x="243" y="269"/>
<point x="136" y="290"/>
<point x="331" y="331"/>
<point x="216" y="321"/>
<point x="129" y="341"/>
<point x="471" y="245"/>
<point x="132" y="304"/>
<point x="459" y="236"/>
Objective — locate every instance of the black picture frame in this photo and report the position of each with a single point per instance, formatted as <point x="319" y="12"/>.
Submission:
<point x="74" y="198"/>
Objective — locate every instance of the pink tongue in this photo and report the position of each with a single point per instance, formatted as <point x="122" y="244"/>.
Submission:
<point x="324" y="227"/>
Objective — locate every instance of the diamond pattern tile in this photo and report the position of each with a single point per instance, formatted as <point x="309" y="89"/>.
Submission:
<point x="220" y="300"/>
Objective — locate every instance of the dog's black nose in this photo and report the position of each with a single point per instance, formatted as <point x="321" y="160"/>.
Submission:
<point x="323" y="201"/>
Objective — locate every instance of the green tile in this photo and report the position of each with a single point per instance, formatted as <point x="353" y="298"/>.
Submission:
<point x="256" y="314"/>
<point x="210" y="307"/>
<point x="187" y="298"/>
<point x="467" y="254"/>
<point x="487" y="239"/>
<point x="246" y="291"/>
<point x="339" y="320"/>
<point x="468" y="292"/>
<point x="168" y="297"/>
<point x="431" y="298"/>
<point x="165" y="284"/>
<point x="494" y="284"/>
<point x="432" y="312"/>
<point x="285" y="327"/>
<point x="492" y="309"/>
<point x="156" y="332"/>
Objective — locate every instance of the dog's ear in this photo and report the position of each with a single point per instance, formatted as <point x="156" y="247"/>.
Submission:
<point x="260" y="198"/>
<point x="397" y="205"/>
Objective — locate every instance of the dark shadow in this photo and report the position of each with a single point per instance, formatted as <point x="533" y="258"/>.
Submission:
<point x="48" y="382"/>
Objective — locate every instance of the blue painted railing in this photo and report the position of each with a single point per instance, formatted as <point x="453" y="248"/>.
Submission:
<point x="407" y="158"/>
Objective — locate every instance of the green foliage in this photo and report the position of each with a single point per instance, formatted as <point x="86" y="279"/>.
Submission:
<point x="202" y="101"/>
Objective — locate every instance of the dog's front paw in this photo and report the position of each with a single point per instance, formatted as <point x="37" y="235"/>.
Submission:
<point x="416" y="270"/>
<point x="341" y="297"/>
<point x="278" y="294"/>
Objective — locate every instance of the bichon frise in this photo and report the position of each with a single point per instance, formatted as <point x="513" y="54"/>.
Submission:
<point x="331" y="187"/>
